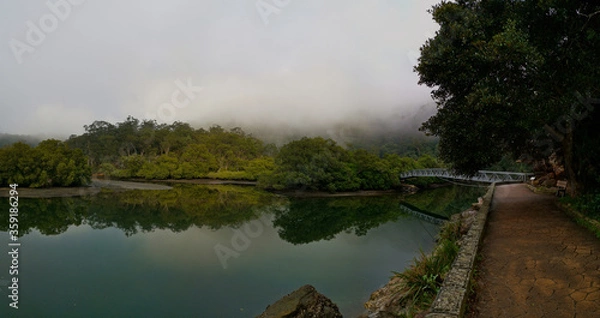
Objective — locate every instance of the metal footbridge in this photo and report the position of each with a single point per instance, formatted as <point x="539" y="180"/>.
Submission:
<point x="480" y="176"/>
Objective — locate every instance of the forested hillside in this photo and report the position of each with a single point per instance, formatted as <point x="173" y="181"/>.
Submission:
<point x="146" y="149"/>
<point x="135" y="149"/>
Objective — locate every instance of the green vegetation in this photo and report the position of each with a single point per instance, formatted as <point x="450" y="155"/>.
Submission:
<point x="135" y="149"/>
<point x="518" y="78"/>
<point x="423" y="279"/>
<point x="146" y="149"/>
<point x="588" y="204"/>
<point x="508" y="164"/>
<point x="591" y="225"/>
<point x="321" y="164"/>
<point x="585" y="209"/>
<point x="50" y="163"/>
<point x="397" y="143"/>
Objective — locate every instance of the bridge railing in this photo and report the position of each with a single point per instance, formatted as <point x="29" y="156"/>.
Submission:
<point x="423" y="215"/>
<point x="480" y="176"/>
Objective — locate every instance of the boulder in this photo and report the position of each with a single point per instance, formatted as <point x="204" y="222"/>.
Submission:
<point x="305" y="302"/>
<point x="386" y="302"/>
<point x="408" y="188"/>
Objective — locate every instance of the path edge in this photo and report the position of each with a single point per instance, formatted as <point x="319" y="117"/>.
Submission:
<point x="452" y="298"/>
<point x="588" y="223"/>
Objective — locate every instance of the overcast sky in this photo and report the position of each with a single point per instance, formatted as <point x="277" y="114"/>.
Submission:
<point x="266" y="62"/>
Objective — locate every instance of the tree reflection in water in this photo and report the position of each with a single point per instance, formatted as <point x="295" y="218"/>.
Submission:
<point x="133" y="211"/>
<point x="298" y="220"/>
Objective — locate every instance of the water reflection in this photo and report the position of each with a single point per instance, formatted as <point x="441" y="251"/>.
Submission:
<point x="315" y="219"/>
<point x="298" y="220"/>
<point x="167" y="263"/>
<point x="445" y="201"/>
<point x="185" y="206"/>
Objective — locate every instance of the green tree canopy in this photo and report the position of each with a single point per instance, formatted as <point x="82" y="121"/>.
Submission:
<point x="146" y="149"/>
<point x="321" y="164"/>
<point x="51" y="163"/>
<point x="510" y="77"/>
<point x="314" y="164"/>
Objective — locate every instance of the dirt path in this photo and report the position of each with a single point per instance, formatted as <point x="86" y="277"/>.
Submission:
<point x="536" y="262"/>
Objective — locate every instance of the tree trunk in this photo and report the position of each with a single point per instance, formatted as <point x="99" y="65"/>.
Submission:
<point x="567" y="145"/>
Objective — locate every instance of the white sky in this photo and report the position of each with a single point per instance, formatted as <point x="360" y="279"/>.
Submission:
<point x="313" y="62"/>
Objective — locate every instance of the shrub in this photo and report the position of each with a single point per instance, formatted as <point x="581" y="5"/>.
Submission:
<point x="424" y="278"/>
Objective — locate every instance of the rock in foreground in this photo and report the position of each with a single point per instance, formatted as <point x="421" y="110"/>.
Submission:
<point x="305" y="302"/>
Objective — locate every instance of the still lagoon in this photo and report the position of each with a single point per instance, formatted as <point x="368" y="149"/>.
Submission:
<point x="211" y="251"/>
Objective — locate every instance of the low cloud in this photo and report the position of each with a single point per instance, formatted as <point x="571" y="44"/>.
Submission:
<point x="313" y="65"/>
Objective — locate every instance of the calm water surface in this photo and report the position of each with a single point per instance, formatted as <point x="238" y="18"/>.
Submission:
<point x="200" y="251"/>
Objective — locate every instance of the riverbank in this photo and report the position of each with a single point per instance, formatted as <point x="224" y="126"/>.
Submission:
<point x="405" y="188"/>
<point x="141" y="184"/>
<point x="94" y="188"/>
<point x="443" y="275"/>
<point x="199" y="181"/>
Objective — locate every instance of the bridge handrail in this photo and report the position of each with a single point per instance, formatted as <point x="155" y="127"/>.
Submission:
<point x="481" y="175"/>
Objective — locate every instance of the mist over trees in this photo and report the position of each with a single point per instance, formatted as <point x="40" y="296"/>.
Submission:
<point x="146" y="149"/>
<point x="519" y="78"/>
<point x="135" y="149"/>
<point x="9" y="139"/>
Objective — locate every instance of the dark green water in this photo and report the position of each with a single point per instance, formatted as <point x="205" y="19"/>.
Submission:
<point x="205" y="251"/>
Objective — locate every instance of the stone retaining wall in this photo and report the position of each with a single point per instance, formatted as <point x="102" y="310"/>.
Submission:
<point x="452" y="298"/>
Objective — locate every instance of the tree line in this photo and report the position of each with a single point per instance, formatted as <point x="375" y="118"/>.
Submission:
<point x="322" y="164"/>
<point x="50" y="163"/>
<point x="146" y="149"/>
<point x="135" y="149"/>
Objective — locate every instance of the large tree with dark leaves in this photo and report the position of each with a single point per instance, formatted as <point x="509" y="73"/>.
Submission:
<point x="515" y="77"/>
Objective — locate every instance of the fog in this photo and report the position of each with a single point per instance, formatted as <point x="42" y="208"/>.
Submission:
<point x="298" y="67"/>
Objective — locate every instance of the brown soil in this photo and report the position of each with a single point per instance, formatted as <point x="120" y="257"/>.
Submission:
<point x="536" y="262"/>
